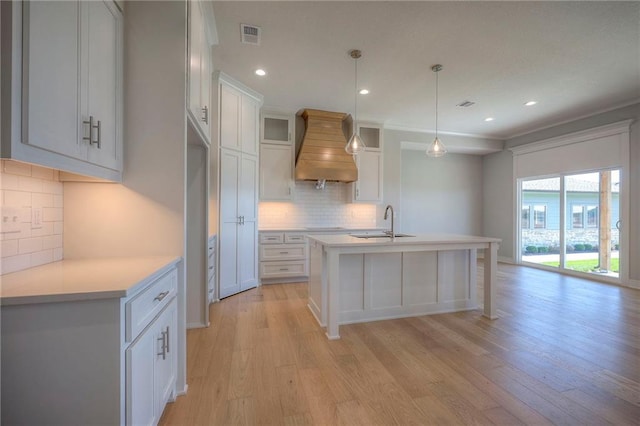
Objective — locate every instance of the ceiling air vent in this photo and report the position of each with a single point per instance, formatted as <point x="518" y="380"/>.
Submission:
<point x="466" y="104"/>
<point x="250" y="34"/>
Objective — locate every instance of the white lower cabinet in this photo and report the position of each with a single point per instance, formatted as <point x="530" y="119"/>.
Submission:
<point x="283" y="256"/>
<point x="91" y="359"/>
<point x="151" y="367"/>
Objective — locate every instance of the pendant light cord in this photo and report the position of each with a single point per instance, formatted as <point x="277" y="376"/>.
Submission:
<point x="436" y="104"/>
<point x="355" y="118"/>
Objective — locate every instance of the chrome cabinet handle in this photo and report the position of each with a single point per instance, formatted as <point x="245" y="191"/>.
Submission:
<point x="167" y="334"/>
<point x="161" y="296"/>
<point x="205" y="114"/>
<point x="91" y="127"/>
<point x="284" y="269"/>
<point x="163" y="354"/>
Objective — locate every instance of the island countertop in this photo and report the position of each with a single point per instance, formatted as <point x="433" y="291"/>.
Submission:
<point x="81" y="279"/>
<point x="418" y="239"/>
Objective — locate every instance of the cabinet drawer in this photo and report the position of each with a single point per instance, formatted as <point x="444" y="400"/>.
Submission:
<point x="145" y="306"/>
<point x="294" y="238"/>
<point x="296" y="268"/>
<point x="271" y="238"/>
<point x="283" y="252"/>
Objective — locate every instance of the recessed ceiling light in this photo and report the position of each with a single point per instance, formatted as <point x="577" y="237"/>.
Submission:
<point x="364" y="92"/>
<point x="261" y="72"/>
<point x="489" y="119"/>
<point x="530" y="103"/>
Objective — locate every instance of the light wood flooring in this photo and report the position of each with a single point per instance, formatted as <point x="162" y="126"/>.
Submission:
<point x="564" y="351"/>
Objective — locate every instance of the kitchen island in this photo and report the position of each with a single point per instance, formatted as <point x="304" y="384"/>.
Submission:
<point x="355" y="279"/>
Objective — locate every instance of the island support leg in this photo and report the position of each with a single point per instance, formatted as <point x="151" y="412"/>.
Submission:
<point x="490" y="280"/>
<point x="333" y="297"/>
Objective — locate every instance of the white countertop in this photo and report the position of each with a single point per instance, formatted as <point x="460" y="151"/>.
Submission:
<point x="321" y="229"/>
<point x="421" y="239"/>
<point x="81" y="279"/>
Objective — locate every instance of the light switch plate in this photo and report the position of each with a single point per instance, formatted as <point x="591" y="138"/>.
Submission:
<point x="36" y="217"/>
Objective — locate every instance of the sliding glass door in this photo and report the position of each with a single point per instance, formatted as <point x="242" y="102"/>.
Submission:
<point x="572" y="222"/>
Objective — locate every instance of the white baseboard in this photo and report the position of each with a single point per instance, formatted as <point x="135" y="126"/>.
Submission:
<point x="634" y="283"/>
<point x="504" y="259"/>
<point x="196" y="325"/>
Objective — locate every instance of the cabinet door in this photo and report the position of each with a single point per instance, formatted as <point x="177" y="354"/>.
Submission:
<point x="101" y="87"/>
<point x="51" y="46"/>
<point x="230" y="100"/>
<point x="165" y="367"/>
<point x="205" y="88"/>
<point x="368" y="188"/>
<point x="276" y="172"/>
<point x="230" y="169"/>
<point x="249" y="126"/>
<point x="196" y="40"/>
<point x="248" y="208"/>
<point x="140" y="391"/>
<point x="276" y="128"/>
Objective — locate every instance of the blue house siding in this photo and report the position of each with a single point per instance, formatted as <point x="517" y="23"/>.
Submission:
<point x="549" y="236"/>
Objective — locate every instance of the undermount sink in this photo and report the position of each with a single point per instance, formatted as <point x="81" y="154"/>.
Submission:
<point x="379" y="235"/>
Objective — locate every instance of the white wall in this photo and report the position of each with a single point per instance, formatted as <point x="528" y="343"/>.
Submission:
<point x="144" y="215"/>
<point x="441" y="195"/>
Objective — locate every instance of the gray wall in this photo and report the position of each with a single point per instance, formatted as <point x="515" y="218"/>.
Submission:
<point x="498" y="201"/>
<point x="498" y="167"/>
<point x="456" y="176"/>
<point x="441" y="195"/>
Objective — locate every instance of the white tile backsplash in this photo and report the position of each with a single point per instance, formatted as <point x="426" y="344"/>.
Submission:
<point x="317" y="208"/>
<point x="24" y="187"/>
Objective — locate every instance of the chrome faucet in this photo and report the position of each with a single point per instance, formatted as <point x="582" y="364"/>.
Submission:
<point x="386" y="211"/>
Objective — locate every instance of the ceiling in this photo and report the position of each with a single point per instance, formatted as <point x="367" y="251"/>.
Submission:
<point x="574" y="58"/>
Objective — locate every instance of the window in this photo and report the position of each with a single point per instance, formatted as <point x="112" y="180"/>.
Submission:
<point x="581" y="214"/>
<point x="592" y="216"/>
<point x="539" y="217"/>
<point x="525" y="222"/>
<point x="577" y="217"/>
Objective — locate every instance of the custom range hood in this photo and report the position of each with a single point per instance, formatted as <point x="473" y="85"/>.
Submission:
<point x="322" y="155"/>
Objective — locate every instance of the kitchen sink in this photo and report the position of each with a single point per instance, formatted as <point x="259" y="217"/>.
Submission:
<point x="379" y="235"/>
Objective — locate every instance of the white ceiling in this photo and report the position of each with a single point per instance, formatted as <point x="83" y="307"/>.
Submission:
<point x="574" y="58"/>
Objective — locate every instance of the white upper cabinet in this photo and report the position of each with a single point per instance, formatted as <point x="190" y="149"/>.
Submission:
<point x="276" y="128"/>
<point x="368" y="187"/>
<point x="66" y="86"/>
<point x="240" y="108"/>
<point x="200" y="69"/>
<point x="277" y="152"/>
<point x="276" y="172"/>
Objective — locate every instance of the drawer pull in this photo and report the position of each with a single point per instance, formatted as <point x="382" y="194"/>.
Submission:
<point x="284" y="269"/>
<point x="167" y="345"/>
<point x="210" y="267"/>
<point x="161" y="296"/>
<point x="271" y="238"/>
<point x="284" y="252"/>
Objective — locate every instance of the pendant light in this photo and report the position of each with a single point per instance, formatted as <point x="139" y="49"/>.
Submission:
<point x="355" y="145"/>
<point x="436" y="149"/>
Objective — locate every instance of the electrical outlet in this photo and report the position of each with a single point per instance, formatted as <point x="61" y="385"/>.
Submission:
<point x="36" y="217"/>
<point x="10" y="220"/>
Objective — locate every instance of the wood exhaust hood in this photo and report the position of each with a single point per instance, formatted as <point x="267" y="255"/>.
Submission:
<point x="322" y="155"/>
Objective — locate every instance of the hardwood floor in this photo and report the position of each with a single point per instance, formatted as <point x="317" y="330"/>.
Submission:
<point x="564" y="351"/>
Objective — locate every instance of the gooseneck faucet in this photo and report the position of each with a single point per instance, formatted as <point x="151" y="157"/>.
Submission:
<point x="386" y="211"/>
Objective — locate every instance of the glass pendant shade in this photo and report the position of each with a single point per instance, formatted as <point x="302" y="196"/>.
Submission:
<point x="355" y="145"/>
<point x="436" y="149"/>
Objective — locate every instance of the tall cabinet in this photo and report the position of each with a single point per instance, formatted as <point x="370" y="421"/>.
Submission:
<point x="237" y="162"/>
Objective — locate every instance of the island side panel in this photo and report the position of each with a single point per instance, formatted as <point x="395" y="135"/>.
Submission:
<point x="490" y="280"/>
<point x="317" y="290"/>
<point x="419" y="279"/>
